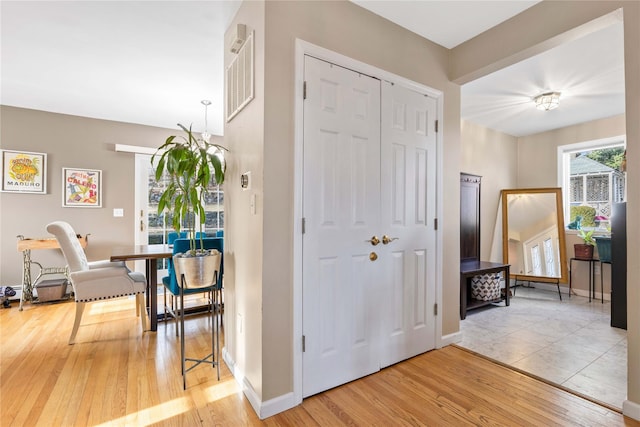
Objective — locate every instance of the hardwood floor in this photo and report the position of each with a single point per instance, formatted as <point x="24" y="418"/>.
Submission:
<point x="115" y="375"/>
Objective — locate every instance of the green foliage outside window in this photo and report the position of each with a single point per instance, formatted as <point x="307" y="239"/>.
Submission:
<point x="611" y="157"/>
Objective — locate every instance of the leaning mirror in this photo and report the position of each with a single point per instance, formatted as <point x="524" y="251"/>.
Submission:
<point x="533" y="240"/>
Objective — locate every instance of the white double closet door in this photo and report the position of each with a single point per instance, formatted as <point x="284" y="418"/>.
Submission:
<point x="369" y="173"/>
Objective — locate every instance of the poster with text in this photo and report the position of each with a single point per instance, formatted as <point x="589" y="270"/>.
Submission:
<point x="81" y="188"/>
<point x="24" y="172"/>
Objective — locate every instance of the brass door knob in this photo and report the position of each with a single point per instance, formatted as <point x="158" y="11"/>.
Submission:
<point x="386" y="239"/>
<point x="373" y="256"/>
<point x="374" y="240"/>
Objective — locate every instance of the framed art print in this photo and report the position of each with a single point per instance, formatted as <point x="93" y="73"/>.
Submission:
<point x="81" y="188"/>
<point x="24" y="172"/>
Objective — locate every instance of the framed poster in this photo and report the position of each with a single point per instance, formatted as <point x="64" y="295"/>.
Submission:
<point x="81" y="188"/>
<point x="24" y="172"/>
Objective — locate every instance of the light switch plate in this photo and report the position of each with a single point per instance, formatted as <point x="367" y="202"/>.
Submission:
<point x="118" y="212"/>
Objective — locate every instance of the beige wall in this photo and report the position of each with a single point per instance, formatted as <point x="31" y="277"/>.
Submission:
<point x="492" y="155"/>
<point x="77" y="142"/>
<point x="538" y="154"/>
<point x="244" y="231"/>
<point x="522" y="36"/>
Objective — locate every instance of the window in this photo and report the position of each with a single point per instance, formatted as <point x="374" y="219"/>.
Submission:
<point x="592" y="180"/>
<point x="160" y="225"/>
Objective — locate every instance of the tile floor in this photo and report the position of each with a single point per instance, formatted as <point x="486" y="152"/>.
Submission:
<point x="569" y="343"/>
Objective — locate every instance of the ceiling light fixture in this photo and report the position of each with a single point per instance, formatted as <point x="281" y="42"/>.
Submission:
<point x="206" y="135"/>
<point x="547" y="101"/>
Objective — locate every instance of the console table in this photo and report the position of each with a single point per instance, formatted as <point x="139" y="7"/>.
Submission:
<point x="26" y="245"/>
<point x="471" y="268"/>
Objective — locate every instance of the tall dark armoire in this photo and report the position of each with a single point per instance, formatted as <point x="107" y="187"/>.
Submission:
<point x="469" y="217"/>
<point x="619" y="265"/>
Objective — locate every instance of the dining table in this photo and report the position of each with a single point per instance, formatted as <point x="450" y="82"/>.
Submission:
<point x="150" y="254"/>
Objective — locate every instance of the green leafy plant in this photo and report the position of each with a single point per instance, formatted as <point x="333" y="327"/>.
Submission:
<point x="190" y="163"/>
<point x="587" y="237"/>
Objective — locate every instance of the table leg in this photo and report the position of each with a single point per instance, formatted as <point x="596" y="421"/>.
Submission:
<point x="507" y="285"/>
<point x="570" y="276"/>
<point x="592" y="286"/>
<point x="463" y="297"/>
<point x="27" y="289"/>
<point x="152" y="292"/>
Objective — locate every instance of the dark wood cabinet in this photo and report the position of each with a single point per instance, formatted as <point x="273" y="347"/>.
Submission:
<point x="469" y="217"/>
<point x="470" y="263"/>
<point x="619" y="265"/>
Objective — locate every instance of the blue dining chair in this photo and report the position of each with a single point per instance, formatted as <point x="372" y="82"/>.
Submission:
<point x="173" y="235"/>
<point x="170" y="282"/>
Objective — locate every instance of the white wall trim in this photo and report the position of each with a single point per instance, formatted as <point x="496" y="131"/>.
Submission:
<point x="303" y="48"/>
<point x="134" y="149"/>
<point x="631" y="409"/>
<point x="263" y="409"/>
<point x="276" y="405"/>
<point x="453" y="338"/>
<point x="563" y="160"/>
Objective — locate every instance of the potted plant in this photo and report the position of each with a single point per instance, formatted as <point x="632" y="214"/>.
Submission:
<point x="585" y="250"/>
<point x="190" y="163"/>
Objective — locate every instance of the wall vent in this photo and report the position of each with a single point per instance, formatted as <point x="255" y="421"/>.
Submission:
<point x="239" y="76"/>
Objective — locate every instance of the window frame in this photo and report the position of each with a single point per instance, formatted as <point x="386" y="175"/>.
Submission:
<point x="564" y="152"/>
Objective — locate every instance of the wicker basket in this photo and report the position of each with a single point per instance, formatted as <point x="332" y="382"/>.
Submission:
<point x="486" y="287"/>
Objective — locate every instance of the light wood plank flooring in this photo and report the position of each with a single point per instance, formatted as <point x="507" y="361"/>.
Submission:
<point x="115" y="375"/>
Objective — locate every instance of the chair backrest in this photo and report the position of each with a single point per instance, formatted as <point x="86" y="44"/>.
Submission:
<point x="71" y="248"/>
<point x="172" y="236"/>
<point x="182" y="245"/>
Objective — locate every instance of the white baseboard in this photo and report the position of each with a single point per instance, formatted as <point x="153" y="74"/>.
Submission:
<point x="262" y="409"/>
<point x="454" y="338"/>
<point x="631" y="409"/>
<point x="276" y="405"/>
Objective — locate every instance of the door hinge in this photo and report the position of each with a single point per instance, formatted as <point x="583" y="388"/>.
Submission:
<point x="436" y="126"/>
<point x="435" y="223"/>
<point x="304" y="225"/>
<point x="304" y="90"/>
<point x="303" y="344"/>
<point x="435" y="309"/>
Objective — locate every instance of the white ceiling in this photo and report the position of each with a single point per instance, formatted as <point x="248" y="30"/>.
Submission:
<point x="152" y="62"/>
<point x="589" y="73"/>
<point x="447" y="23"/>
<point x="143" y="62"/>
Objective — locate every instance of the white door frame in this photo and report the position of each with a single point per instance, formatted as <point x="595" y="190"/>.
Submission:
<point x="303" y="48"/>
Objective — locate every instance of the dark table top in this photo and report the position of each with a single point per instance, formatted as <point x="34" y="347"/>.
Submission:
<point x="472" y="266"/>
<point x="131" y="252"/>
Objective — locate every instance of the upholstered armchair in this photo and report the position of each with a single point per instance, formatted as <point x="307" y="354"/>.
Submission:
<point x="98" y="280"/>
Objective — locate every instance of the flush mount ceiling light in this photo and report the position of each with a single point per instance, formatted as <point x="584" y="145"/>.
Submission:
<point x="547" y="101"/>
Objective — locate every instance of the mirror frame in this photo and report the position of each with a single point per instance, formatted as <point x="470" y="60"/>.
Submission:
<point x="561" y="233"/>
